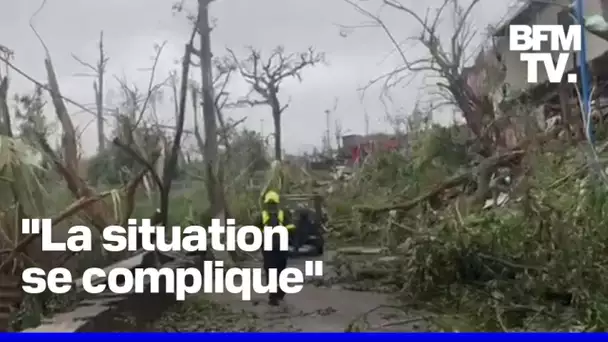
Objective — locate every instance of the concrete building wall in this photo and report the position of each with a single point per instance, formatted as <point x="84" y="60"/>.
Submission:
<point x="351" y="141"/>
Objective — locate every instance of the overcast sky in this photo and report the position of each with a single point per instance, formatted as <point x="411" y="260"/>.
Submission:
<point x="132" y="27"/>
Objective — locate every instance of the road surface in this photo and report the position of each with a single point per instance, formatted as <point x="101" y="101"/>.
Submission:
<point x="323" y="309"/>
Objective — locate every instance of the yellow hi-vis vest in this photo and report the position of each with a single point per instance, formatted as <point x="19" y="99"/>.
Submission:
<point x="280" y="215"/>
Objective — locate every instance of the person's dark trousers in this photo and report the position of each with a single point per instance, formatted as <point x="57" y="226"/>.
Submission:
<point x="275" y="259"/>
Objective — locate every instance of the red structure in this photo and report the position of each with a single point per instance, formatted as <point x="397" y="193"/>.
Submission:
<point x="358" y="147"/>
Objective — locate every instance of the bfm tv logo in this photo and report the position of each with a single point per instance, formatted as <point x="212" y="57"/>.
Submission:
<point x="528" y="39"/>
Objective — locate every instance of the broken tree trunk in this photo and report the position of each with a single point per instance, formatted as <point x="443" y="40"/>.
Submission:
<point x="215" y="191"/>
<point x="480" y="173"/>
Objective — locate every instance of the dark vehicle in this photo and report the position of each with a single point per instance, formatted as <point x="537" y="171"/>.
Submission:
<point x="308" y="217"/>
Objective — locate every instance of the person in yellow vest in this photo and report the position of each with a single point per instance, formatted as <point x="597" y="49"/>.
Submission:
<point x="273" y="215"/>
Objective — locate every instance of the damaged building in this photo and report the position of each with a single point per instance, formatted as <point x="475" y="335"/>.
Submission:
<point x="552" y="103"/>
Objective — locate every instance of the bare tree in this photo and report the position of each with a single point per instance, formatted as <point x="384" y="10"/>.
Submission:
<point x="217" y="200"/>
<point x="133" y="130"/>
<point x="210" y="155"/>
<point x="445" y="62"/>
<point x="223" y="72"/>
<point x="99" y="70"/>
<point x="266" y="76"/>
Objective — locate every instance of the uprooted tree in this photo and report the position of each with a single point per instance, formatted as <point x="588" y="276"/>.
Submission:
<point x="449" y="79"/>
<point x="513" y="265"/>
<point x="266" y="77"/>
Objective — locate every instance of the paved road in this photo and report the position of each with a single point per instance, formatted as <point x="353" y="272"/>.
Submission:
<point x="319" y="309"/>
<point x="314" y="309"/>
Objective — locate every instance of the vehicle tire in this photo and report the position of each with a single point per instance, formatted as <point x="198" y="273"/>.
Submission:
<point x="319" y="246"/>
<point x="320" y="250"/>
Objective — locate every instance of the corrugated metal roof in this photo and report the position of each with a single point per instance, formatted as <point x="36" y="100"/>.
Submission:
<point x="522" y="16"/>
